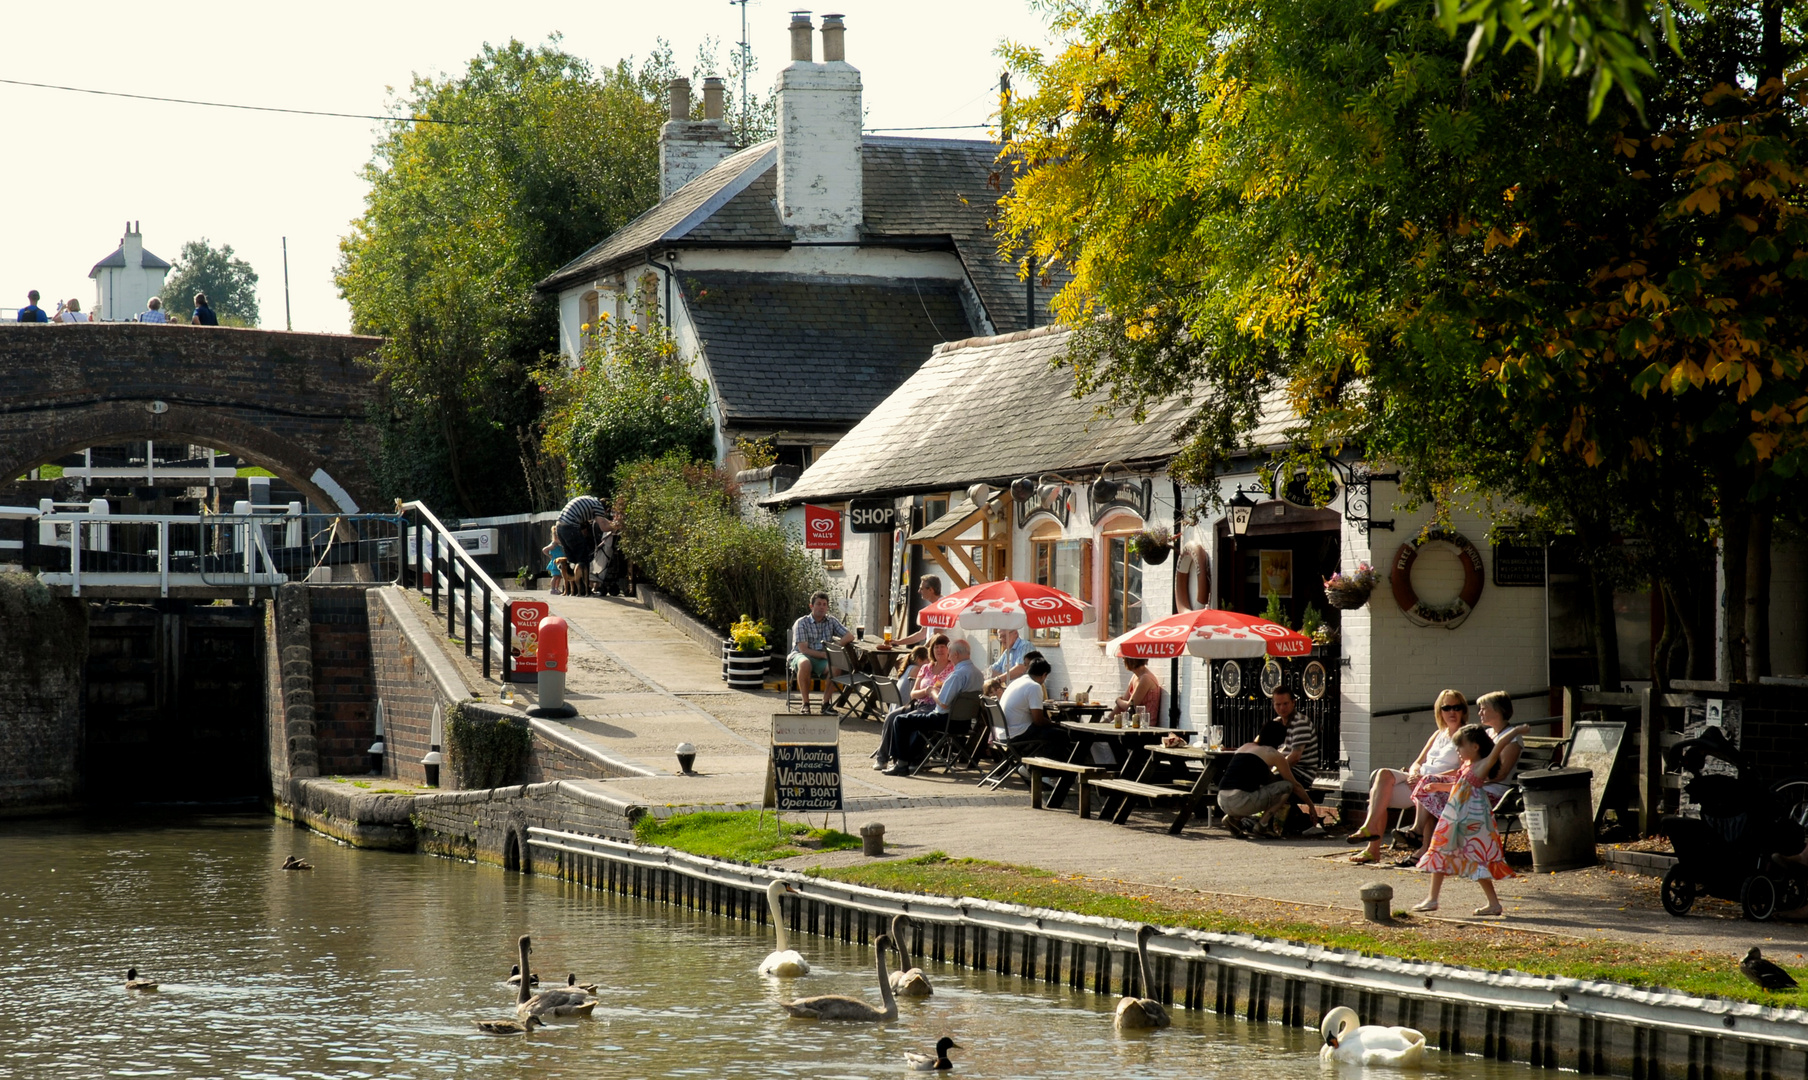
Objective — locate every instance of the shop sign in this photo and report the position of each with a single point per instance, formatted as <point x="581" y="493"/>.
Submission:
<point x="822" y="528"/>
<point x="524" y="639"/>
<point x="872" y="516"/>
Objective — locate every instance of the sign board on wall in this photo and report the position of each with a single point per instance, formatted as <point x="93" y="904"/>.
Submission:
<point x="524" y="639"/>
<point x="872" y="516"/>
<point x="822" y="528"/>
<point x="804" y="773"/>
<point x="1518" y="565"/>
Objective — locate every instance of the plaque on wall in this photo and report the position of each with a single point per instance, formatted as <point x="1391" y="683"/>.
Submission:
<point x="1230" y="677"/>
<point x="1271" y="677"/>
<point x="1518" y="565"/>
<point x="1313" y="680"/>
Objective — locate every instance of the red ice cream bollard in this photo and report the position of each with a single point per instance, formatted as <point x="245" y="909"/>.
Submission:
<point x="555" y="660"/>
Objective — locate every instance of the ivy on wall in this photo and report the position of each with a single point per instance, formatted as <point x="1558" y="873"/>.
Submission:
<point x="487" y="750"/>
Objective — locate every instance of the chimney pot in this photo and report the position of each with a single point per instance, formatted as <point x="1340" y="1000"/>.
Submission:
<point x="678" y="93"/>
<point x="834" y="45"/>
<point x="802" y="48"/>
<point x="712" y="98"/>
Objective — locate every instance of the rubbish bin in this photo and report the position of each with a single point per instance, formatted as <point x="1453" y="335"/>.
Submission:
<point x="1559" y="818"/>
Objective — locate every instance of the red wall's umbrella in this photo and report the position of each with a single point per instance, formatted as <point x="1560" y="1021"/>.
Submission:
<point x="1006" y="605"/>
<point x="1211" y="634"/>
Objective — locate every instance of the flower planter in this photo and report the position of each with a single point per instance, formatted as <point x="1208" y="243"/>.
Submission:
<point x="744" y="669"/>
<point x="1152" y="548"/>
<point x="1348" y="597"/>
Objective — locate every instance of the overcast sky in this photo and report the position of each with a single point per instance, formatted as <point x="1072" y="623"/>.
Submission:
<point x="79" y="166"/>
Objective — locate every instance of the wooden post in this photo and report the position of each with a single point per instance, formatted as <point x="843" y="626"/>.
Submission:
<point x="1651" y="765"/>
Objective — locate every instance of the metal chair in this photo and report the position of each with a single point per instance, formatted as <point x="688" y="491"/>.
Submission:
<point x="857" y="694"/>
<point x="945" y="745"/>
<point x="1010" y="756"/>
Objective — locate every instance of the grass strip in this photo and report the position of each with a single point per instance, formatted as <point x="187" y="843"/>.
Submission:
<point x="739" y="836"/>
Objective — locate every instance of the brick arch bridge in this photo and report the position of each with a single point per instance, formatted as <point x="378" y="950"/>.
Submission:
<point x="292" y="403"/>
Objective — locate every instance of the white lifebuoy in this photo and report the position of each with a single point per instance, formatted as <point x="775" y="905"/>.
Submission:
<point x="1192" y="577"/>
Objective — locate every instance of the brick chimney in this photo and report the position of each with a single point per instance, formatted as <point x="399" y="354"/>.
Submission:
<point x="688" y="148"/>
<point x="819" y="121"/>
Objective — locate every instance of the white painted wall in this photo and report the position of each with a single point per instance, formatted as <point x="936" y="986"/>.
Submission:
<point x="122" y="292"/>
<point x="820" y="186"/>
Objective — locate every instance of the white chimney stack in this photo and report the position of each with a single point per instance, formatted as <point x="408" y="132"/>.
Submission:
<point x="689" y="148"/>
<point x="820" y="186"/>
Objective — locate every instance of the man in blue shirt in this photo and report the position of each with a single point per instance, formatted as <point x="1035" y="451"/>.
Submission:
<point x="1012" y="656"/>
<point x="906" y="728"/>
<point x="810" y="639"/>
<point x="31" y="312"/>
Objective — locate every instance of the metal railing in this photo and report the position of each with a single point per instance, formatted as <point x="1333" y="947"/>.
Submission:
<point x="435" y="562"/>
<point x="78" y="548"/>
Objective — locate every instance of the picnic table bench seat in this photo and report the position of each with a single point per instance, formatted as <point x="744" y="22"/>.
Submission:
<point x="1120" y="796"/>
<point x="1069" y="772"/>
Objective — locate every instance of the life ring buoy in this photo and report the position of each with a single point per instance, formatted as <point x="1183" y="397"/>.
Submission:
<point x="1417" y="611"/>
<point x="1192" y="578"/>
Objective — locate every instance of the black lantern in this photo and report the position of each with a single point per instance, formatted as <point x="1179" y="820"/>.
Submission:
<point x="1103" y="491"/>
<point x="1024" y="489"/>
<point x="1240" y="507"/>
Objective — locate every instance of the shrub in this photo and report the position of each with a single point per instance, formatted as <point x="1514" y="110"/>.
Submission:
<point x="487" y="751"/>
<point x="681" y="523"/>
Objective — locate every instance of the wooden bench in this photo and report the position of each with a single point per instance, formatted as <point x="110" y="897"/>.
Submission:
<point x="1120" y="793"/>
<point x="1069" y="772"/>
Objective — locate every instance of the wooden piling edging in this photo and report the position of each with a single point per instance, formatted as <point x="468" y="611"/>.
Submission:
<point x="1600" y="1029"/>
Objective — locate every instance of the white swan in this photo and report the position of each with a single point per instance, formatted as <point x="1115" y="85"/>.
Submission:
<point x="559" y="1001"/>
<point x="908" y="980"/>
<point x="1349" y="1042"/>
<point x="940" y="1062"/>
<point x="782" y="961"/>
<point x="1142" y="1013"/>
<point x="840" y="1007"/>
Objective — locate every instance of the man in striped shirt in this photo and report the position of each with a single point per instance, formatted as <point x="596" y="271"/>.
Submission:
<point x="579" y="525"/>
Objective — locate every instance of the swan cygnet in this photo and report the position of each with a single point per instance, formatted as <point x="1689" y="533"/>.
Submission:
<point x="783" y="961"/>
<point x="1142" y="1013"/>
<point x="560" y="1001"/>
<point x="133" y="982"/>
<point x="938" y="1063"/>
<point x="572" y="983"/>
<point x="840" y="1007"/>
<point x="292" y="863"/>
<point x="908" y="980"/>
<point x="514" y="978"/>
<point x="1347" y="1041"/>
<point x="509" y="1027"/>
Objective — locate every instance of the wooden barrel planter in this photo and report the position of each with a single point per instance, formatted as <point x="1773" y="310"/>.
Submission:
<point x="744" y="670"/>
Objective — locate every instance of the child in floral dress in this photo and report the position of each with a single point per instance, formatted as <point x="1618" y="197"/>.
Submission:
<point x="1465" y="842"/>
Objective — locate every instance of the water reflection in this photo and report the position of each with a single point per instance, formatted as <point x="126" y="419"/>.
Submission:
<point x="376" y="964"/>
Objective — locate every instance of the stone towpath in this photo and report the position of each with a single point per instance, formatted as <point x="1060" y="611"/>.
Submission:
<point x="642" y="687"/>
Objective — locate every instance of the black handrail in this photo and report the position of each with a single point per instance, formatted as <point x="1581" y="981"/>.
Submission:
<point x="462" y="575"/>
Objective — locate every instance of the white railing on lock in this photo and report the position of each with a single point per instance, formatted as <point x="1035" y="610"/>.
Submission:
<point x="256" y="567"/>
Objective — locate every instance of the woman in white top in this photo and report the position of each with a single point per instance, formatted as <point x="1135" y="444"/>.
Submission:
<point x="1495" y="709"/>
<point x="71" y="312"/>
<point x="1391" y="789"/>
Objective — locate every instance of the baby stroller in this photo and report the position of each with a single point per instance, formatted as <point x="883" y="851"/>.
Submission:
<point x="1726" y="852"/>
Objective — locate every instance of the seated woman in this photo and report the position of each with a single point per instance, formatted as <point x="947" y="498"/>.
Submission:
<point x="1495" y="709"/>
<point x="931" y="672"/>
<point x="1391" y="789"/>
<point x="1144" y="690"/>
<point x="1258" y="782"/>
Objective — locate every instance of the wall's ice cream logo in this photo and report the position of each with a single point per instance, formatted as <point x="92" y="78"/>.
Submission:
<point x="822" y="528"/>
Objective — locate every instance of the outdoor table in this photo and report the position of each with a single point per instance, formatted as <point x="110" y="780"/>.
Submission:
<point x="1127" y="740"/>
<point x="1213" y="762"/>
<point x="875" y="657"/>
<point x="1146" y="781"/>
<point x="1061" y="710"/>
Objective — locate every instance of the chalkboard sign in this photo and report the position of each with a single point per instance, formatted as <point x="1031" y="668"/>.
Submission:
<point x="1596" y="747"/>
<point x="804" y="772"/>
<point x="1518" y="565"/>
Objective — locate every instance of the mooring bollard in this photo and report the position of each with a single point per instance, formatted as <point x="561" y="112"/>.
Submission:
<point x="1378" y="901"/>
<point x="872" y="839"/>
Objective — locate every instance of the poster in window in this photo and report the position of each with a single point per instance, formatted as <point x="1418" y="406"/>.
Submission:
<point x="1277" y="574"/>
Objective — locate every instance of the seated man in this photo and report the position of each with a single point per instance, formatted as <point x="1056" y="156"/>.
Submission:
<point x="1011" y="662"/>
<point x="900" y="746"/>
<point x="810" y="638"/>
<point x="1028" y="728"/>
<point x="929" y="590"/>
<point x="1259" y="782"/>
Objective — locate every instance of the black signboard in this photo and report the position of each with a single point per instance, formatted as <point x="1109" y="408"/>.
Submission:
<point x="807" y="777"/>
<point x="1518" y="565"/>
<point x="872" y="515"/>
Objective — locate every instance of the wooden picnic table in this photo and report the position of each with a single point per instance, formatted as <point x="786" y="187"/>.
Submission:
<point x="875" y="656"/>
<point x="1061" y="710"/>
<point x="1147" y="781"/>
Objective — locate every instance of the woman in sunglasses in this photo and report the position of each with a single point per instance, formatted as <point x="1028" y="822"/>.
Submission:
<point x="1391" y="789"/>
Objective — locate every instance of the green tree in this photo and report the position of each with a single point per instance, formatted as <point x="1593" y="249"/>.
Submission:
<point x="1436" y="258"/>
<point x="228" y="281"/>
<point x="535" y="157"/>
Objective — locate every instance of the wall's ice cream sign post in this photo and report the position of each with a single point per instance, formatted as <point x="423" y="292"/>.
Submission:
<point x="524" y="617"/>
<point x="822" y="528"/>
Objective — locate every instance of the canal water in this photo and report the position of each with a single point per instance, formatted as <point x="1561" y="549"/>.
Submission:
<point x="377" y="964"/>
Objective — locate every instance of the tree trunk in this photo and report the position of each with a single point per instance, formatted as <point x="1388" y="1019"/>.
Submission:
<point x="1770" y="49"/>
<point x="1735" y="529"/>
<point x="1607" y="631"/>
<point x="1757" y="595"/>
<point x="1666" y="641"/>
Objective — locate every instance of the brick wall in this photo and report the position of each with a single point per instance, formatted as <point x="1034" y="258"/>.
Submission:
<point x="405" y="682"/>
<point x="339" y="633"/>
<point x="43" y="648"/>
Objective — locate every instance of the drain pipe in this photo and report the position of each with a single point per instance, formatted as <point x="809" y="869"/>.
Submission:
<point x="1173" y="598"/>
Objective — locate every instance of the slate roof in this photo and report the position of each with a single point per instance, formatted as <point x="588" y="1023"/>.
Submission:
<point x="942" y="189"/>
<point x="118" y="259"/>
<point x="802" y="352"/>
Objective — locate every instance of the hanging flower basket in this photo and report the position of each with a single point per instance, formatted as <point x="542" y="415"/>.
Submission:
<point x="1153" y="545"/>
<point x="1348" y="591"/>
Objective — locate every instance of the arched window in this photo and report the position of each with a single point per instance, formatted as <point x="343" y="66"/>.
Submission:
<point x="1123" y="585"/>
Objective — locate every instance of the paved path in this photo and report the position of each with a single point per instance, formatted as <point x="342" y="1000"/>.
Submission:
<point x="642" y="687"/>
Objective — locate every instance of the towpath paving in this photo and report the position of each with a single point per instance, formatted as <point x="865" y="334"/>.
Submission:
<point x="642" y="687"/>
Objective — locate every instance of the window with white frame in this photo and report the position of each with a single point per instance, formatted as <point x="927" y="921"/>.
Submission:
<point x="1060" y="564"/>
<point x="1123" y="585"/>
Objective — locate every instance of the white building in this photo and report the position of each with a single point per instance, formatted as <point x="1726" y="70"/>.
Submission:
<point x="126" y="279"/>
<point x="808" y="276"/>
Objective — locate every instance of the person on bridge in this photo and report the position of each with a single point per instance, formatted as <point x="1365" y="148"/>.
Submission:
<point x="70" y="312"/>
<point x="31" y="312"/>
<point x="203" y="315"/>
<point x="154" y="311"/>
